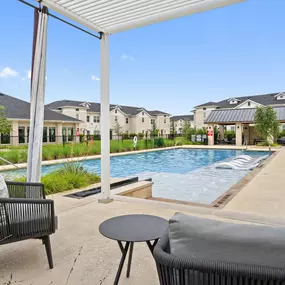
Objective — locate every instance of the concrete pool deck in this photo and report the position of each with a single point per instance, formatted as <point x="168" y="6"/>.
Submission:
<point x="83" y="256"/>
<point x="264" y="194"/>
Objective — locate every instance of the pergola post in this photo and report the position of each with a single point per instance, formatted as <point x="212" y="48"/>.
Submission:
<point x="105" y="118"/>
<point x="238" y="134"/>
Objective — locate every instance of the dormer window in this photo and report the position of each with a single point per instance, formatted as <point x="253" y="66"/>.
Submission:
<point x="85" y="105"/>
<point x="280" y="96"/>
<point x="233" y="101"/>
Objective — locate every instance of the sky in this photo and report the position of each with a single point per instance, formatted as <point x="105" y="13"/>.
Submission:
<point x="171" y="66"/>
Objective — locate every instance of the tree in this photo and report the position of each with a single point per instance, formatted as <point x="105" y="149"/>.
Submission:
<point x="266" y="123"/>
<point x="118" y="129"/>
<point x="154" y="131"/>
<point x="172" y="128"/>
<point x="5" y="125"/>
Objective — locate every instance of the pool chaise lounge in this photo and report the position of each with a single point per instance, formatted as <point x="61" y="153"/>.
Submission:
<point x="241" y="163"/>
<point x="196" y="250"/>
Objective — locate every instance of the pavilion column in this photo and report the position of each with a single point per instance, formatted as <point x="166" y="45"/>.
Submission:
<point x="222" y="131"/>
<point x="211" y="139"/>
<point x="105" y="118"/>
<point x="238" y="134"/>
<point x="246" y="134"/>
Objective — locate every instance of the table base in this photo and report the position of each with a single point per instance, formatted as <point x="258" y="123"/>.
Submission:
<point x="129" y="246"/>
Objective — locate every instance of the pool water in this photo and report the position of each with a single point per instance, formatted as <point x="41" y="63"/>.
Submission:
<point x="181" y="174"/>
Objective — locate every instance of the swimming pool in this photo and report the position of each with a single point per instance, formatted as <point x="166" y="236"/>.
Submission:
<point x="181" y="174"/>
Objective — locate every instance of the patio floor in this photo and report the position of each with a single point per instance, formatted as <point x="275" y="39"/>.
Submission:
<point x="83" y="256"/>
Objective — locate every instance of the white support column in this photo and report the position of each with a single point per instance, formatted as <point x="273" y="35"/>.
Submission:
<point x="211" y="140"/>
<point x="105" y="118"/>
<point x="238" y="134"/>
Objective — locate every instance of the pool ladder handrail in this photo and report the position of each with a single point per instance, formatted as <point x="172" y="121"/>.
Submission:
<point x="9" y="162"/>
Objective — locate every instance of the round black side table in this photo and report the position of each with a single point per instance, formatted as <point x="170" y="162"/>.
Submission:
<point x="131" y="229"/>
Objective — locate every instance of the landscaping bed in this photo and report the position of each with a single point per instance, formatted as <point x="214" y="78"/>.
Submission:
<point x="69" y="176"/>
<point x="60" y="151"/>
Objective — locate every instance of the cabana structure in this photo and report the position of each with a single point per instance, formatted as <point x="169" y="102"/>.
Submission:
<point x="104" y="17"/>
<point x="243" y="119"/>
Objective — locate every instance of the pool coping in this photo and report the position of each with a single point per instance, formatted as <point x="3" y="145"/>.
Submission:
<point x="91" y="157"/>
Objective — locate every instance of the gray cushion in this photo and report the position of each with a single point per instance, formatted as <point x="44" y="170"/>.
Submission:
<point x="205" y="239"/>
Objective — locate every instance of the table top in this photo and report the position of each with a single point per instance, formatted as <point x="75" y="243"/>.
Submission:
<point x="134" y="228"/>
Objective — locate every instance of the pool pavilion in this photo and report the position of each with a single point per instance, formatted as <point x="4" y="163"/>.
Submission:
<point x="243" y="119"/>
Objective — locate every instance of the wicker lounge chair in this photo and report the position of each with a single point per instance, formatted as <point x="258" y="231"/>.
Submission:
<point x="27" y="215"/>
<point x="225" y="266"/>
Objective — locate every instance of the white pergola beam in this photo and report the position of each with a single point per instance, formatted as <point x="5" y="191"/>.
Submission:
<point x="71" y="15"/>
<point x="115" y="16"/>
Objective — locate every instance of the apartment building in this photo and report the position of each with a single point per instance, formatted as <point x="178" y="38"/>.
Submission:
<point x="201" y="112"/>
<point x="178" y="122"/>
<point x="57" y="127"/>
<point x="130" y="119"/>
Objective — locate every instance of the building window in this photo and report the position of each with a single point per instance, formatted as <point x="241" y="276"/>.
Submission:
<point x="45" y="135"/>
<point x="28" y="134"/>
<point x="96" y="119"/>
<point x="116" y="111"/>
<point x="77" y="116"/>
<point x="116" y="118"/>
<point x="248" y="103"/>
<point x="142" y="120"/>
<point x="77" y="110"/>
<point x="88" y="118"/>
<point x="21" y="134"/>
<point x="51" y="134"/>
<point x="164" y="121"/>
<point x="64" y="134"/>
<point x="127" y="120"/>
<point x="142" y="113"/>
<point x="70" y="134"/>
<point x="205" y="115"/>
<point x="204" y="109"/>
<point x="142" y="131"/>
<point x="152" y="121"/>
<point x="164" y="116"/>
<point x="5" y="139"/>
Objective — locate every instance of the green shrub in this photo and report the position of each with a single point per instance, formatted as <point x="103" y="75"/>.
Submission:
<point x="12" y="156"/>
<point x="68" y="177"/>
<point x="229" y="134"/>
<point x="281" y="134"/>
<point x="140" y="135"/>
<point x="125" y="136"/>
<point x="47" y="154"/>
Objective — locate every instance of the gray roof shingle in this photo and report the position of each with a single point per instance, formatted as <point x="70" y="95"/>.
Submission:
<point x="182" y="117"/>
<point x="239" y="115"/>
<point x="263" y="99"/>
<point x="210" y="103"/>
<point x="95" y="107"/>
<point x="19" y="109"/>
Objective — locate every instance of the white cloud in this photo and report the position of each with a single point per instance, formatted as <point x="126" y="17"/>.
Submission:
<point x="94" y="77"/>
<point x="8" y="72"/>
<point x="127" y="57"/>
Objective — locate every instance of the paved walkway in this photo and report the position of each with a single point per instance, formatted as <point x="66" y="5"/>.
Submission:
<point x="265" y="194"/>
